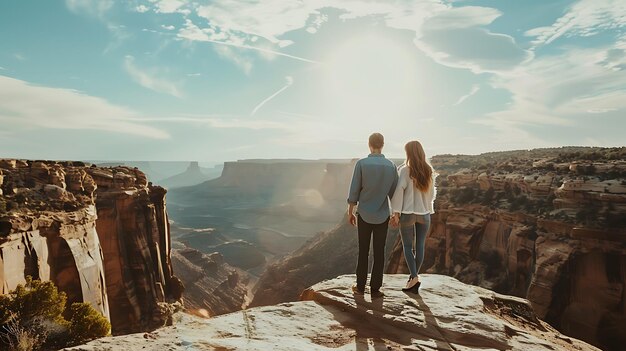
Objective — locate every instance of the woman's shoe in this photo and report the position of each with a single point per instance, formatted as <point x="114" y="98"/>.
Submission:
<point x="410" y="285"/>
<point x="416" y="288"/>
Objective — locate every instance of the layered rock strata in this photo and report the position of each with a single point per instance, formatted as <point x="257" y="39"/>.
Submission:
<point x="212" y="287"/>
<point x="547" y="228"/>
<point x="100" y="234"/>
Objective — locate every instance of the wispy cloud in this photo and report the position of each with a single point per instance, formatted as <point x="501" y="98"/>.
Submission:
<point x="142" y="9"/>
<point x="168" y="6"/>
<point x="216" y="121"/>
<point x="96" y="8"/>
<point x="475" y="88"/>
<point x="584" y="18"/>
<point x="192" y="32"/>
<point x="289" y="82"/>
<point x="552" y="89"/>
<point x="150" y="81"/>
<point x="27" y="106"/>
<point x="227" y="52"/>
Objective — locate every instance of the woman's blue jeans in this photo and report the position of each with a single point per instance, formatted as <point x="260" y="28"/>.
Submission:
<point x="414" y="236"/>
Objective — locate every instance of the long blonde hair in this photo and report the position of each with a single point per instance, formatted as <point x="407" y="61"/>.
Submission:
<point x="420" y="170"/>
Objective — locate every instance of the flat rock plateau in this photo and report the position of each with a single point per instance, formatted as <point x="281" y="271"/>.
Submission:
<point x="446" y="315"/>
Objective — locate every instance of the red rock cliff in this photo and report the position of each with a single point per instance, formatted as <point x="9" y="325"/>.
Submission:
<point x="100" y="234"/>
<point x="547" y="226"/>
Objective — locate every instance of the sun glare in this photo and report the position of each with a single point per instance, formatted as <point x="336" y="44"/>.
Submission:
<point x="371" y="75"/>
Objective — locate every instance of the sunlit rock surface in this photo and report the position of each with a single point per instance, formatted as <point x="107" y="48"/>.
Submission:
<point x="548" y="225"/>
<point x="100" y="234"/>
<point x="447" y="315"/>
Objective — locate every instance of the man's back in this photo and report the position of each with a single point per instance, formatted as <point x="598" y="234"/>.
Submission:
<point x="373" y="181"/>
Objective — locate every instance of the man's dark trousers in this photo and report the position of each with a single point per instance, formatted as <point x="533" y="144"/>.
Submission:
<point x="379" y="232"/>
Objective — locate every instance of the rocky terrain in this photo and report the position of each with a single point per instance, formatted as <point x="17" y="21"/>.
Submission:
<point x="100" y="234"/>
<point x="548" y="225"/>
<point x="447" y="315"/>
<point x="326" y="256"/>
<point x="212" y="287"/>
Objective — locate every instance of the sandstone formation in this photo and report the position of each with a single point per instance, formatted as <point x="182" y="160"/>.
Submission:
<point x="327" y="255"/>
<point x="191" y="176"/>
<point x="548" y="225"/>
<point x="447" y="315"/>
<point x="212" y="287"/>
<point x="100" y="234"/>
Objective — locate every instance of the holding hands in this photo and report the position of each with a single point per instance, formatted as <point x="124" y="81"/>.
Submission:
<point x="394" y="220"/>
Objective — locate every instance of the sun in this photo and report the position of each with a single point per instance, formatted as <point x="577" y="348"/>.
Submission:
<point x="371" y="74"/>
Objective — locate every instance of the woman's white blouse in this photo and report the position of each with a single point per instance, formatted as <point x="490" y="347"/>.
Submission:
<point x="409" y="199"/>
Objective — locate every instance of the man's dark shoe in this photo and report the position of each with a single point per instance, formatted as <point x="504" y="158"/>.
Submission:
<point x="357" y="291"/>
<point x="377" y="293"/>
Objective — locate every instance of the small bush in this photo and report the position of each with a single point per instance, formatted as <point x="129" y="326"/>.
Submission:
<point x="86" y="323"/>
<point x="32" y="317"/>
<point x="35" y="299"/>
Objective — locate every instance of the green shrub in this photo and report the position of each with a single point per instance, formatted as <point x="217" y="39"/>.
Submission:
<point x="35" y="299"/>
<point x="86" y="323"/>
<point x="32" y="317"/>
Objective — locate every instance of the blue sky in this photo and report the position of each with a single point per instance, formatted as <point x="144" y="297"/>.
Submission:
<point x="222" y="80"/>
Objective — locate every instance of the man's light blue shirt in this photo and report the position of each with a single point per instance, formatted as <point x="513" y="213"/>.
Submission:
<point x="373" y="183"/>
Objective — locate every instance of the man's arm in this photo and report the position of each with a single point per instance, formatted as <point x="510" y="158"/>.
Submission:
<point x="354" y="193"/>
<point x="392" y="190"/>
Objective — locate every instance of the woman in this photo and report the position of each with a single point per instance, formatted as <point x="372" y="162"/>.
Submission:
<point x="412" y="205"/>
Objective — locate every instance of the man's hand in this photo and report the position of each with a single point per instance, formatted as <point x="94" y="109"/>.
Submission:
<point x="352" y="219"/>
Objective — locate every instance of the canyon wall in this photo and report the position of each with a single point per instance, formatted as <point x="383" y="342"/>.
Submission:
<point x="550" y="227"/>
<point x="100" y="234"/>
<point x="212" y="287"/>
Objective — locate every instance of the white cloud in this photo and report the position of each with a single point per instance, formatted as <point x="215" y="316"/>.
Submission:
<point x="551" y="90"/>
<point x="142" y="8"/>
<point x="224" y="39"/>
<point x="584" y="18"/>
<point x="27" y="106"/>
<point x="170" y="27"/>
<point x="446" y="33"/>
<point x="288" y="83"/>
<point x="475" y="88"/>
<point x="149" y="80"/>
<point x="168" y="6"/>
<point x="221" y="122"/>
<point x="96" y="8"/>
<point x="243" y="62"/>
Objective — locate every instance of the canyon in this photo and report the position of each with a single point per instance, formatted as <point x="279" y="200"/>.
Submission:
<point x="544" y="225"/>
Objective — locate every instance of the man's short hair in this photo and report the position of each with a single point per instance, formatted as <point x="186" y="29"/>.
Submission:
<point x="377" y="141"/>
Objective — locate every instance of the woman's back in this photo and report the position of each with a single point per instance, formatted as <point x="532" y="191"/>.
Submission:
<point x="409" y="199"/>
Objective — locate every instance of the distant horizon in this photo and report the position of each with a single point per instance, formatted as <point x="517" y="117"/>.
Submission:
<point x="218" y="162"/>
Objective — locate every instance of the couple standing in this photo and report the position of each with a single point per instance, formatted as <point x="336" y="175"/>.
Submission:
<point x="411" y="189"/>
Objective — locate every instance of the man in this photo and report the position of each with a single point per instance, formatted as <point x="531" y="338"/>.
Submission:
<point x="373" y="183"/>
